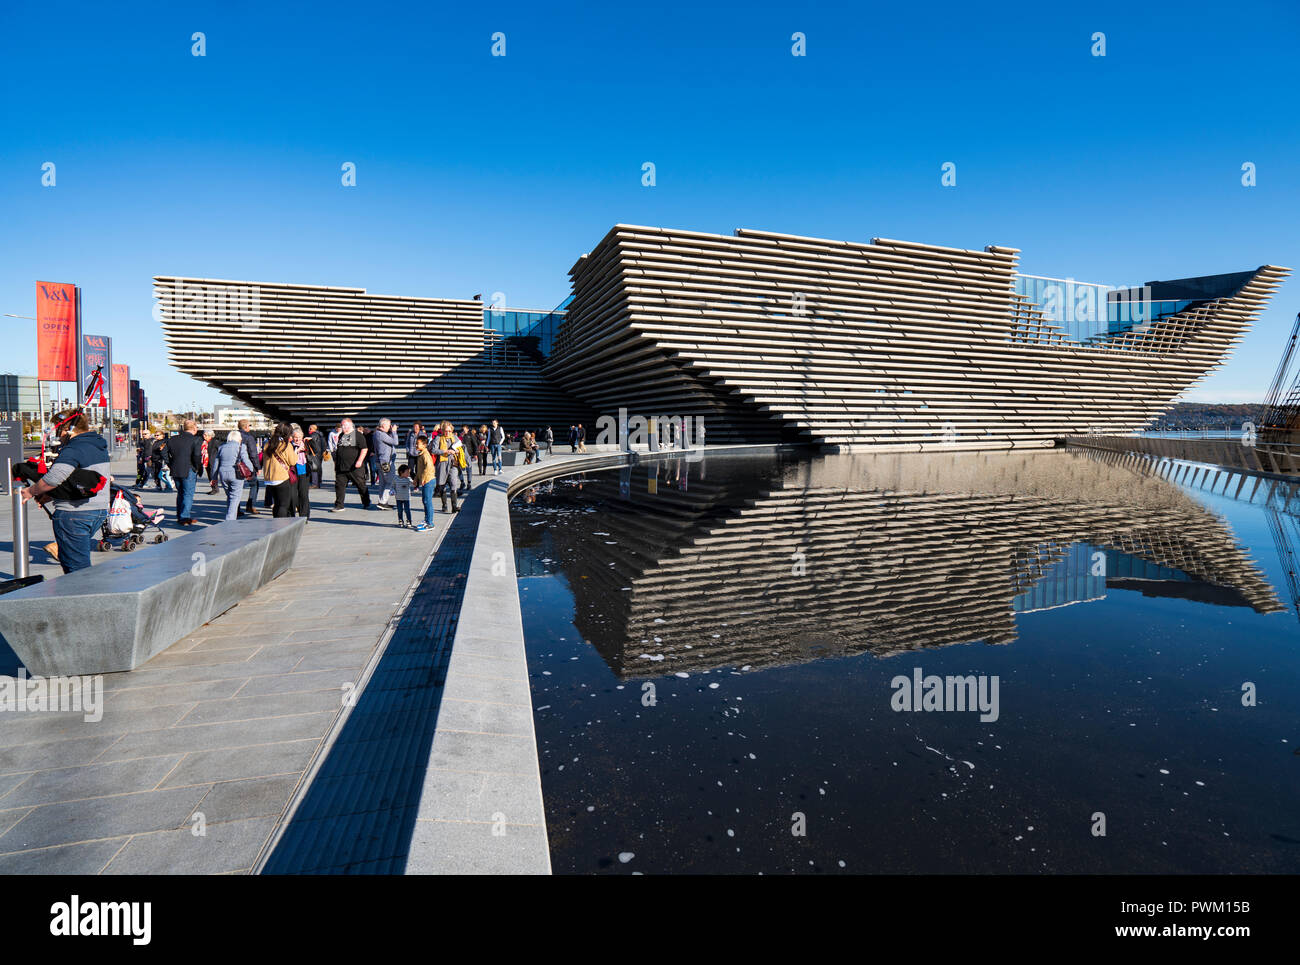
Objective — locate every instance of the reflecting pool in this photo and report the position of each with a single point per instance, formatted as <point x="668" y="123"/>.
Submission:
<point x="935" y="663"/>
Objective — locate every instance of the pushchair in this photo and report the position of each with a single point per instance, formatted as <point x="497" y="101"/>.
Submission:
<point x="132" y="527"/>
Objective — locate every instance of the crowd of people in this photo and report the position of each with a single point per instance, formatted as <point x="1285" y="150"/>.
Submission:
<point x="286" y="462"/>
<point x="439" y="462"/>
<point x="283" y="468"/>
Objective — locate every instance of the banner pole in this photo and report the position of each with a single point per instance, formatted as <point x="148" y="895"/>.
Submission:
<point x="81" y="375"/>
<point x="112" y="425"/>
<point x="22" y="552"/>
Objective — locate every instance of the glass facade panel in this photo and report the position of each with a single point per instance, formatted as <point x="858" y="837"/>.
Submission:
<point x="509" y="323"/>
<point x="1086" y="312"/>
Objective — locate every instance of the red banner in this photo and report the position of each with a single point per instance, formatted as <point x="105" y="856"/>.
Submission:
<point x="56" y="332"/>
<point x="121" y="383"/>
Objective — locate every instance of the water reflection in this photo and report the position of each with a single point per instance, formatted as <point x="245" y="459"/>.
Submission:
<point x="713" y="649"/>
<point x="771" y="563"/>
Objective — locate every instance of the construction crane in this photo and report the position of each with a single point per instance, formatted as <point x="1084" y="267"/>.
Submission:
<point x="1279" y="431"/>
<point x="1274" y="405"/>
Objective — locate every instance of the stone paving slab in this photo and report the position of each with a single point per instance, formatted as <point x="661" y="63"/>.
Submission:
<point x="460" y="847"/>
<point x="225" y="722"/>
<point x="227" y="847"/>
<point x="76" y="859"/>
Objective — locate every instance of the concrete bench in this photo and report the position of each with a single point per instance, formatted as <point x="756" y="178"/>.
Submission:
<point x="513" y="457"/>
<point x="117" y="614"/>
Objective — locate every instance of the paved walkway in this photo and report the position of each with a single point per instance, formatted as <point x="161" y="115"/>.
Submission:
<point x="216" y="733"/>
<point x="204" y="751"/>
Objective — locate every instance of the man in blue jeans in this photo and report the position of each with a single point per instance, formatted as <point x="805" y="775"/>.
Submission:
<point x="185" y="459"/>
<point x="76" y="521"/>
<point x="253" y="449"/>
<point x="496" y="439"/>
<point x="384" y="440"/>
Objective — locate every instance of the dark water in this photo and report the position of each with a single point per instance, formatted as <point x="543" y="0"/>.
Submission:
<point x="712" y="646"/>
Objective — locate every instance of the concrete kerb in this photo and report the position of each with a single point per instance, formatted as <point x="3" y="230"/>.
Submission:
<point x="441" y="844"/>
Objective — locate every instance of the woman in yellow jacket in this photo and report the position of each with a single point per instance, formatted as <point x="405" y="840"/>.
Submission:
<point x="278" y="460"/>
<point x="451" y="460"/>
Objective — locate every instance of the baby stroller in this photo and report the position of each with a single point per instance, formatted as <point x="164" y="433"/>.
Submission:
<point x="129" y="521"/>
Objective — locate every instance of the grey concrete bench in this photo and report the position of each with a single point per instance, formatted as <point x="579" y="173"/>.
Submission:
<point x="513" y="457"/>
<point x="117" y="614"/>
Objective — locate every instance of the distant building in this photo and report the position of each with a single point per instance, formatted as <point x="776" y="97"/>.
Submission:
<point x="19" y="397"/>
<point x="228" y="416"/>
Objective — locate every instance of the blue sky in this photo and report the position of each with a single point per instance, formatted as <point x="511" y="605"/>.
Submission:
<point x="480" y="174"/>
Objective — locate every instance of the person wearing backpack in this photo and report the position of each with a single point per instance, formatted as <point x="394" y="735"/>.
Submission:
<point x="76" y="521"/>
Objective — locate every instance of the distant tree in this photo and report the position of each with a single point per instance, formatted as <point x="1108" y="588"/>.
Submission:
<point x="1209" y="415"/>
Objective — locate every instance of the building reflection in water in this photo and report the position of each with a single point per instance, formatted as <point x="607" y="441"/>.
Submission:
<point x="765" y="563"/>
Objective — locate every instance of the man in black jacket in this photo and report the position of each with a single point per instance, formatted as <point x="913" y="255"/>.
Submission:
<point x="185" y="459"/>
<point x="315" y="454"/>
<point x="250" y="444"/>
<point x="158" y="458"/>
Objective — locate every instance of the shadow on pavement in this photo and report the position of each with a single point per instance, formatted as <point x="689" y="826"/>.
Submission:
<point x="358" y="815"/>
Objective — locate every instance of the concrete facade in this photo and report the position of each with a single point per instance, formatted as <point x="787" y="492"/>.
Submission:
<point x="767" y="337"/>
<point x="315" y="353"/>
<point x="886" y="345"/>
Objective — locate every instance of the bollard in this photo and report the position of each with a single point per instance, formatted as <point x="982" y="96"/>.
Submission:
<point x="21" y="552"/>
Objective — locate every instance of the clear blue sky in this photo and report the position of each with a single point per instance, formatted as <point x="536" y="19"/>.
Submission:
<point x="479" y="174"/>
